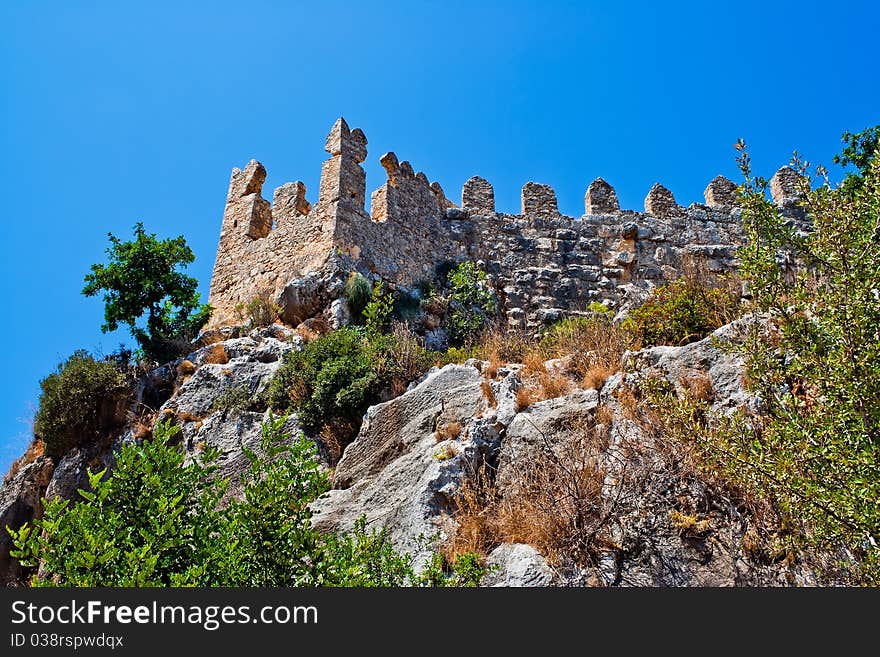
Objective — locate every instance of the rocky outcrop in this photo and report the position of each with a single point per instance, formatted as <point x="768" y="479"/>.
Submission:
<point x="655" y="522"/>
<point x="20" y="502"/>
<point x="651" y="520"/>
<point x="410" y="458"/>
<point x="517" y="565"/>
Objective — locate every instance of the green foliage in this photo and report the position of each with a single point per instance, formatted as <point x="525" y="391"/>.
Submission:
<point x="335" y="378"/>
<point x="681" y="312"/>
<point x="377" y="312"/>
<point x="274" y="543"/>
<point x="80" y="402"/>
<point x="817" y="367"/>
<point x="859" y="150"/>
<point x="154" y="521"/>
<point x="472" y="302"/>
<point x="332" y="378"/>
<point x="236" y="399"/>
<point x="143" y="277"/>
<point x="357" y="293"/>
<point x="600" y="309"/>
<point x="467" y="570"/>
<point x="259" y="311"/>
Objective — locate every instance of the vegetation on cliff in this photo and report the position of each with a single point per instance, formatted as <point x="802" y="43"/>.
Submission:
<point x="143" y="277"/>
<point x="158" y="520"/>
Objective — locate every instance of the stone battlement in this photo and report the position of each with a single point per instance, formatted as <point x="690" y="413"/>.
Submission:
<point x="543" y="264"/>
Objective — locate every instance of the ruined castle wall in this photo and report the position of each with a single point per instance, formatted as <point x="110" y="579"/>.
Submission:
<point x="544" y="264"/>
<point x="261" y="245"/>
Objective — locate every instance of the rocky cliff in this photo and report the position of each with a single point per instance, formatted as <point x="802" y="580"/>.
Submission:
<point x="653" y="520"/>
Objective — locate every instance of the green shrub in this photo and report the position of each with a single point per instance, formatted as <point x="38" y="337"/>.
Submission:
<point x="81" y="402"/>
<point x="472" y="302"/>
<point x="357" y="293"/>
<point x="816" y="367"/>
<point x="377" y="312"/>
<point x="335" y="378"/>
<point x="237" y="399"/>
<point x="681" y="312"/>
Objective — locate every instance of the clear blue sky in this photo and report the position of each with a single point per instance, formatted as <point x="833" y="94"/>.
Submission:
<point x="114" y="113"/>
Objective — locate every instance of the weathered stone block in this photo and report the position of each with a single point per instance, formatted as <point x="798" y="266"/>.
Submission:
<point x="600" y="198"/>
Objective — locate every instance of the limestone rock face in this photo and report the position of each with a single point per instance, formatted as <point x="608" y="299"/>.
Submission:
<point x="400" y="472"/>
<point x="544" y="425"/>
<point x="517" y="565"/>
<point x="249" y="364"/>
<point x="19" y="503"/>
<point x="706" y="362"/>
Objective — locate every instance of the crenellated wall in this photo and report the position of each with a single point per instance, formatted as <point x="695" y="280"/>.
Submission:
<point x="544" y="264"/>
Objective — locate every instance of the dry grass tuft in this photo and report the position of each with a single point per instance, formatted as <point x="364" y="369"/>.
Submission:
<point x="604" y="416"/>
<point x="336" y="436"/>
<point x="504" y="346"/>
<point x="493" y="365"/>
<point x="185" y="416"/>
<point x="698" y="387"/>
<point x="489" y="393"/>
<point x="216" y="355"/>
<point x="556" y="503"/>
<point x="554" y="385"/>
<point x="448" y="431"/>
<point x="142" y="426"/>
<point x="525" y="397"/>
<point x="596" y="376"/>
<point x="534" y="364"/>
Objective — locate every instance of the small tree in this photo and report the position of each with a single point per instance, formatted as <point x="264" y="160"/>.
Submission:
<point x="143" y="277"/>
<point x="817" y="367"/>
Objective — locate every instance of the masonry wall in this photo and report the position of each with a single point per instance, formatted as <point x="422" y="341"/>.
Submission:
<point x="544" y="264"/>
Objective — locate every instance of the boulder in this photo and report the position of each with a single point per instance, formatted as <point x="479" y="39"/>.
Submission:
<point x="399" y="472"/>
<point x="20" y="502"/>
<point x="517" y="565"/>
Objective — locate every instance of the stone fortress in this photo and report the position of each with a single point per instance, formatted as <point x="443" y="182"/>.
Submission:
<point x="543" y="264"/>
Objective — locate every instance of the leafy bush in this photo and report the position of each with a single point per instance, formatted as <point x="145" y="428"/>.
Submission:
<point x="81" y="402"/>
<point x="472" y="302"/>
<point x="151" y="522"/>
<point x="143" y="277"/>
<point x="377" y="312"/>
<point x="154" y="522"/>
<point x="357" y="293"/>
<point x="681" y="312"/>
<point x="335" y="378"/>
<point x="816" y="367"/>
